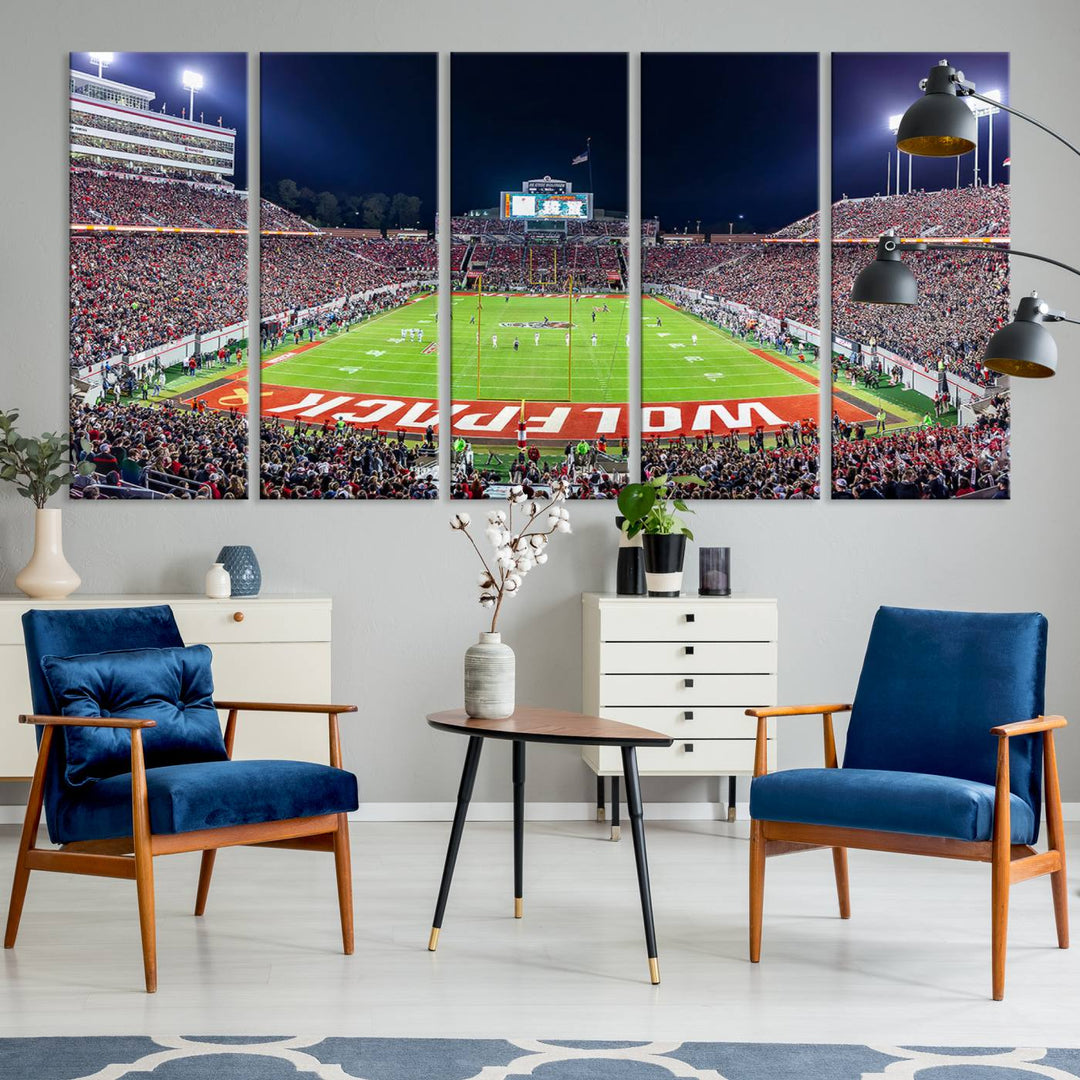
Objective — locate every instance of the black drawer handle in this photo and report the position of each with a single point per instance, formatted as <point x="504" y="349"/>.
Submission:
<point x="688" y="684"/>
<point x="688" y="715"/>
<point x="689" y="616"/>
<point x="689" y="649"/>
<point x="688" y="747"/>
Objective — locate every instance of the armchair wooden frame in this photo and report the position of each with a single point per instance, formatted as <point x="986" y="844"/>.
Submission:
<point x="132" y="857"/>
<point x="1009" y="863"/>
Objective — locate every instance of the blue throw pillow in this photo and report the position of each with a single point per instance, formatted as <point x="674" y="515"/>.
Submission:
<point x="172" y="686"/>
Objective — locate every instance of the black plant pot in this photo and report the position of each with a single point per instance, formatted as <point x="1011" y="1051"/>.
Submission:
<point x="664" y="555"/>
<point x="630" y="571"/>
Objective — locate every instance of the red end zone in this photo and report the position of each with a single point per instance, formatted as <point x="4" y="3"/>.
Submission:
<point x="551" y="421"/>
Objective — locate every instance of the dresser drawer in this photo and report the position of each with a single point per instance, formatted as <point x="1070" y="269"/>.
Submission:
<point x="709" y="757"/>
<point x="213" y="621"/>
<point x="688" y="620"/>
<point x="687" y="691"/>
<point x="689" y="657"/>
<point x="691" y="723"/>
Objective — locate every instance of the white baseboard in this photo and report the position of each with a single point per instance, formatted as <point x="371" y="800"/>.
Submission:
<point x="12" y="814"/>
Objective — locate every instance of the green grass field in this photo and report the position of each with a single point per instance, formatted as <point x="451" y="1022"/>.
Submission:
<point x="716" y="367"/>
<point x="540" y="372"/>
<point x="370" y="358"/>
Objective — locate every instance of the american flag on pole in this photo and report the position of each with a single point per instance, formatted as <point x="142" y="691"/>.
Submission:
<point x="582" y="158"/>
<point x="1007" y="161"/>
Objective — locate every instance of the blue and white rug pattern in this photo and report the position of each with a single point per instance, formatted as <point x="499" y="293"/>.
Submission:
<point x="291" y="1058"/>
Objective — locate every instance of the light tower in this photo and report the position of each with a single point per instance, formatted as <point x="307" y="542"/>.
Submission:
<point x="102" y="59"/>
<point x="192" y="81"/>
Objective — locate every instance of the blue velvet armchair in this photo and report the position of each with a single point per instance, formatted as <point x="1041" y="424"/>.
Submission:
<point x="132" y="763"/>
<point x="947" y="754"/>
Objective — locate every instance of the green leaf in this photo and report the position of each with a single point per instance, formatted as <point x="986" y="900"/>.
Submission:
<point x="636" y="501"/>
<point x="687" y="533"/>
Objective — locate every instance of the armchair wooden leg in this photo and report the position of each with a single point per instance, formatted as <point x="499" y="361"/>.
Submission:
<point x="1000" y="871"/>
<point x="144" y="861"/>
<point x="343" y="866"/>
<point x="1055" y="829"/>
<point x="839" y="858"/>
<point x="27" y="841"/>
<point x="757" y="887"/>
<point x="206" y="871"/>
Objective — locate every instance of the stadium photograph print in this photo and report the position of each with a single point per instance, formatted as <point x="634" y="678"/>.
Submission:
<point x="729" y="316"/>
<point x="540" y="342"/>
<point x="349" y="321"/>
<point x="158" y="274"/>
<point x="920" y="279"/>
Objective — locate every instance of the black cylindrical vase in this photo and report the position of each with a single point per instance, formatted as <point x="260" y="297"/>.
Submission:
<point x="664" y="555"/>
<point x="714" y="571"/>
<point x="630" y="570"/>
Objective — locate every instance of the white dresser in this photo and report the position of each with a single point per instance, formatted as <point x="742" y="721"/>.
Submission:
<point x="686" y="666"/>
<point x="266" y="648"/>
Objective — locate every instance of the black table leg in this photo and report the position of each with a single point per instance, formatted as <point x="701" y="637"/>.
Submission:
<point x="731" y="798"/>
<point x="519" y="826"/>
<point x="468" y="778"/>
<point x="615" y="800"/>
<point x="600" y="799"/>
<point x="637" y="827"/>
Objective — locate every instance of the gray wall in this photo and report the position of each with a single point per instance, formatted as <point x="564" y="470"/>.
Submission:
<point x="402" y="583"/>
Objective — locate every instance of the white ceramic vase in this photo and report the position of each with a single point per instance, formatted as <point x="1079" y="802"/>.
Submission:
<point x="489" y="678"/>
<point x="218" y="582"/>
<point x="48" y="575"/>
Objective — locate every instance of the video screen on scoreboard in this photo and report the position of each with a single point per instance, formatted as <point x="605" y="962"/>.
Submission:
<point x="529" y="206"/>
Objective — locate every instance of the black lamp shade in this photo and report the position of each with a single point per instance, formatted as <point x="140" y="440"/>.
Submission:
<point x="1024" y="349"/>
<point x="939" y="124"/>
<point x="885" y="281"/>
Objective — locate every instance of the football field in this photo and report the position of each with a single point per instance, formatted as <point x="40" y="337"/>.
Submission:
<point x="557" y="358"/>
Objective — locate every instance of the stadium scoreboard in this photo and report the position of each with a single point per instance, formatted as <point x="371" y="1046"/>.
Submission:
<point x="545" y="206"/>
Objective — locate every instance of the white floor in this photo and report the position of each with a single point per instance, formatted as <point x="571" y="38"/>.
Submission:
<point x="911" y="966"/>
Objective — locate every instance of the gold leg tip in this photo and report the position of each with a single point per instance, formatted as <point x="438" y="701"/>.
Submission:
<point x="654" y="971"/>
<point x="600" y="813"/>
<point x="519" y="907"/>
<point x="433" y="940"/>
<point x="616" y="832"/>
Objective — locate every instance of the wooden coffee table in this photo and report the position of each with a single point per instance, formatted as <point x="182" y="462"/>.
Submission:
<point x="526" y="725"/>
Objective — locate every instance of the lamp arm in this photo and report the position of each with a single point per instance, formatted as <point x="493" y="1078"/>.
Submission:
<point x="930" y="246"/>
<point x="1022" y="116"/>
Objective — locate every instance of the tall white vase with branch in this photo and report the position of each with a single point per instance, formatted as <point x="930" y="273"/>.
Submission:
<point x="489" y="664"/>
<point x="39" y="467"/>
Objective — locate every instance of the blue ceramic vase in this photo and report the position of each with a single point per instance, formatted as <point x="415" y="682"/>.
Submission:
<point x="244" y="573"/>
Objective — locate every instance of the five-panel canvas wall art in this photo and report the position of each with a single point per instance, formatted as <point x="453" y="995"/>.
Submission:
<point x="166" y="353"/>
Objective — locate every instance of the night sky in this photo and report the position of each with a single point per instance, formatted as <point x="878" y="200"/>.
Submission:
<point x="518" y="116"/>
<point x="351" y="123"/>
<point x="729" y="134"/>
<point x="868" y="88"/>
<point x="224" y="93"/>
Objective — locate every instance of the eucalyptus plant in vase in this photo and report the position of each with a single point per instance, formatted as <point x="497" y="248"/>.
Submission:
<point x="515" y="551"/>
<point x="39" y="468"/>
<point x="648" y="511"/>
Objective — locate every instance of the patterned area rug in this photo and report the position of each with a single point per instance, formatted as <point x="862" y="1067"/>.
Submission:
<point x="285" y="1058"/>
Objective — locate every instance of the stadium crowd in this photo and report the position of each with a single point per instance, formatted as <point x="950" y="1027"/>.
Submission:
<point x="103" y="198"/>
<point x="135" y="291"/>
<point x="335" y="461"/>
<point x="931" y="462"/>
<point x="183" y="453"/>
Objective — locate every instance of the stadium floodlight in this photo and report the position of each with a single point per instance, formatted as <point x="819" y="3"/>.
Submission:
<point x="102" y="59"/>
<point x="941" y="123"/>
<point x="1022" y="348"/>
<point x="192" y="81"/>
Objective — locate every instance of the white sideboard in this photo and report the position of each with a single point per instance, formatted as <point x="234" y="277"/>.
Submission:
<point x="266" y="648"/>
<point x="687" y="666"/>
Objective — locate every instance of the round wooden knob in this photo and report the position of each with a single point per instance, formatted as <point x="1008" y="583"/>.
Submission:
<point x="238" y="616"/>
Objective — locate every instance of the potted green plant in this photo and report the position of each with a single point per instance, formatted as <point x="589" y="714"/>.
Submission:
<point x="648" y="511"/>
<point x="39" y="467"/>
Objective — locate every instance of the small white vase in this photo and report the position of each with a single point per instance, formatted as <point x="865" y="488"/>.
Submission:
<point x="48" y="575"/>
<point x="489" y="679"/>
<point x="218" y="582"/>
